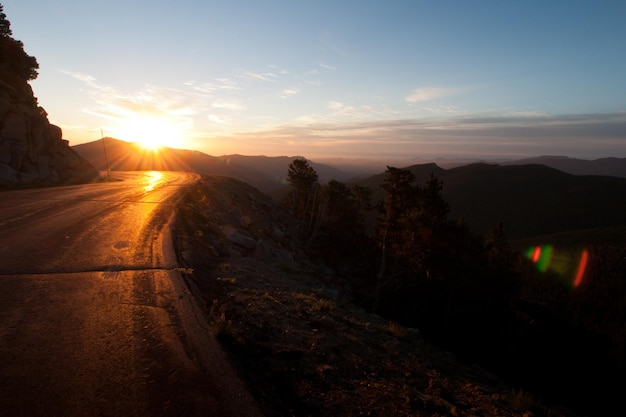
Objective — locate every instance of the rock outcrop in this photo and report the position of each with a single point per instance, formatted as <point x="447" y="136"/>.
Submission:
<point x="32" y="150"/>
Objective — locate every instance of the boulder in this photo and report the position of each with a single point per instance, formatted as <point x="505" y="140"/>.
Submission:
<point x="242" y="240"/>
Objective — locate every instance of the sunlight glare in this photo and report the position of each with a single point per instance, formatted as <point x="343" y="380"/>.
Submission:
<point x="152" y="133"/>
<point x="152" y="180"/>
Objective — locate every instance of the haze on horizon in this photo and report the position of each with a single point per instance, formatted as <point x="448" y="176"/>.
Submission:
<point x="484" y="79"/>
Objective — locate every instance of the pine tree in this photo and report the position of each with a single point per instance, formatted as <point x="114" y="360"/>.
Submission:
<point x="302" y="178"/>
<point x="16" y="66"/>
<point x="413" y="231"/>
<point x="391" y="225"/>
<point x="5" y="25"/>
<point x="500" y="253"/>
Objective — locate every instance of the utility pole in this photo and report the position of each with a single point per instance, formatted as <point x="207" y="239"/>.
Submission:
<point x="106" y="159"/>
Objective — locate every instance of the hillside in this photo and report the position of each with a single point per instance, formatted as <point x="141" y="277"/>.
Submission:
<point x="296" y="337"/>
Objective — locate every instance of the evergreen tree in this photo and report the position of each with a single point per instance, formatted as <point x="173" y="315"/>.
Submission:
<point x="362" y="197"/>
<point x="429" y="228"/>
<point x="5" y="25"/>
<point x="305" y="188"/>
<point x="500" y="253"/>
<point x="416" y="239"/>
<point x="16" y="66"/>
<point x="391" y="226"/>
<point x="340" y="217"/>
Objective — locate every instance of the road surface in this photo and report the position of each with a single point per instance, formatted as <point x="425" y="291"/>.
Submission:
<point x="95" y="318"/>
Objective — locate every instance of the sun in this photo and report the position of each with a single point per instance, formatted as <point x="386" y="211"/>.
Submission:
<point x="151" y="133"/>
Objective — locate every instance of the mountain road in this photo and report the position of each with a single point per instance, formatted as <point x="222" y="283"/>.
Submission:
<point x="95" y="316"/>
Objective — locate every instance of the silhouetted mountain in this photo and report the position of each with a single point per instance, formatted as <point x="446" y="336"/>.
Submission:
<point x="613" y="167"/>
<point x="421" y="172"/>
<point x="530" y="200"/>
<point x="534" y="199"/>
<point x="265" y="173"/>
<point x="364" y="167"/>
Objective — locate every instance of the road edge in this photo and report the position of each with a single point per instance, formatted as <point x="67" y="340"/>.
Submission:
<point x="207" y="353"/>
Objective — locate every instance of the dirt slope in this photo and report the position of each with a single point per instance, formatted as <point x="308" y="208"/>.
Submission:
<point x="296" y="338"/>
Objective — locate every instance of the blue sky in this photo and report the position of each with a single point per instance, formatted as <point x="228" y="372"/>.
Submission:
<point x="345" y="78"/>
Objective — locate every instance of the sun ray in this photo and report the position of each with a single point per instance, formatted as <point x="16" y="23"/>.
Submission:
<point x="150" y="132"/>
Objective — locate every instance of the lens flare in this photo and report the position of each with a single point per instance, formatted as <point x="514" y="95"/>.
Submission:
<point x="536" y="253"/>
<point x="580" y="273"/>
<point x="564" y="263"/>
<point x="541" y="256"/>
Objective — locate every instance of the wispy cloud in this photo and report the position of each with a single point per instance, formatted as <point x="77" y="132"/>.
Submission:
<point x="86" y="78"/>
<point x="351" y="129"/>
<point x="441" y="109"/>
<point x="217" y="119"/>
<point x="288" y="92"/>
<point x="279" y="70"/>
<point x="219" y="84"/>
<point x="328" y="67"/>
<point x="479" y="136"/>
<point x="266" y="76"/>
<point x="425" y="94"/>
<point x="340" y="111"/>
<point x="228" y="104"/>
<point x="335" y="105"/>
<point x="149" y="101"/>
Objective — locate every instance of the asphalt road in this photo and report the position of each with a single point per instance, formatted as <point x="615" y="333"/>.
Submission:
<point x="95" y="318"/>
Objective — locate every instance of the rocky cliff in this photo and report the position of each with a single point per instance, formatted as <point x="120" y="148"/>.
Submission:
<point x="32" y="150"/>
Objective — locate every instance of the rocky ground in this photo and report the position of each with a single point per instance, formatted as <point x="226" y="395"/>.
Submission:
<point x="299" y="342"/>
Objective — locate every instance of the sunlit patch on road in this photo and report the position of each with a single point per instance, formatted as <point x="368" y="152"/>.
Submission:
<point x="153" y="178"/>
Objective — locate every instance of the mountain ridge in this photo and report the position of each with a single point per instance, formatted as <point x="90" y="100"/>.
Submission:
<point x="609" y="166"/>
<point x="529" y="198"/>
<point x="265" y="173"/>
<point x="343" y="168"/>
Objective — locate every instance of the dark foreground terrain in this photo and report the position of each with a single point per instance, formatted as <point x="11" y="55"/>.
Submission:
<point x="299" y="342"/>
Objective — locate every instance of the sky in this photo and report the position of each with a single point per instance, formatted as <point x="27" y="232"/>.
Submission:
<point x="340" y="78"/>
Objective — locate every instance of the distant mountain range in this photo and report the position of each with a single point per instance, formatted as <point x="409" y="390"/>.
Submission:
<point x="530" y="197"/>
<point x="265" y="173"/>
<point x="613" y="167"/>
<point x="530" y="200"/>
